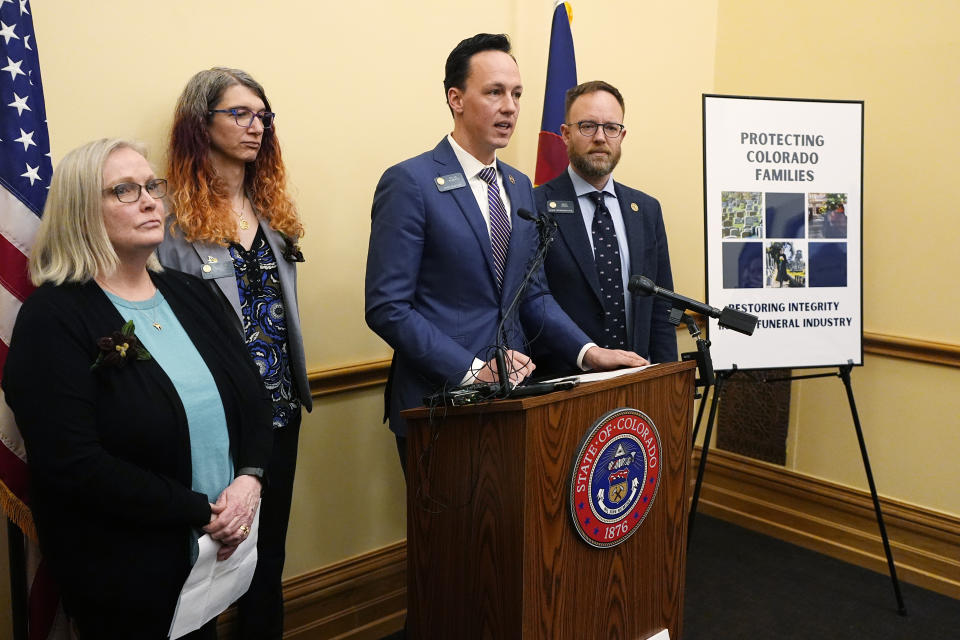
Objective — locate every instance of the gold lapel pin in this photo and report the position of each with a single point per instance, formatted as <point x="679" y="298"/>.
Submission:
<point x="633" y="206"/>
<point x="512" y="181"/>
<point x="211" y="259"/>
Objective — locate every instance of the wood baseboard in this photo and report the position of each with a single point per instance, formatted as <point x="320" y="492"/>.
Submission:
<point x="833" y="519"/>
<point x="361" y="598"/>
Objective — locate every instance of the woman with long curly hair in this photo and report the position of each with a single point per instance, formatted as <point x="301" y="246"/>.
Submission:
<point x="235" y="226"/>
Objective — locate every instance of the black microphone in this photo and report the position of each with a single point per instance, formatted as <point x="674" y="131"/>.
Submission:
<point x="526" y="215"/>
<point x="546" y="224"/>
<point x="728" y="317"/>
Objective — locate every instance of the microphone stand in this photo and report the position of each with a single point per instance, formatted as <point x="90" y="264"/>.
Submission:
<point x="702" y="354"/>
<point x="708" y="378"/>
<point x="546" y="228"/>
<point x="728" y="318"/>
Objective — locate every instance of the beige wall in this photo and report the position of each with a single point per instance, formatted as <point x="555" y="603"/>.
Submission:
<point x="909" y="415"/>
<point x="661" y="57"/>
<point x="358" y="87"/>
<point x="903" y="60"/>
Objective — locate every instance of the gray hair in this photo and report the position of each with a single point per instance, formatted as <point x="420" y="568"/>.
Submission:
<point x="205" y="89"/>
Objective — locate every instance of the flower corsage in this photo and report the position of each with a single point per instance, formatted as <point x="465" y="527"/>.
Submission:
<point x="119" y="348"/>
<point x="292" y="252"/>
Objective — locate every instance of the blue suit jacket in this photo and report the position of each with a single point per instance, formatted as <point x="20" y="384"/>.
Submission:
<point x="431" y="292"/>
<point x="572" y="273"/>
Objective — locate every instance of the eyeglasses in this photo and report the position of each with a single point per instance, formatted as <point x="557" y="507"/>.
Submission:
<point x="130" y="191"/>
<point x="244" y="117"/>
<point x="589" y="128"/>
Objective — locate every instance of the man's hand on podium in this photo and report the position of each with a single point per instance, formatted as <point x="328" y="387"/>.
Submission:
<point x="600" y="359"/>
<point x="519" y="365"/>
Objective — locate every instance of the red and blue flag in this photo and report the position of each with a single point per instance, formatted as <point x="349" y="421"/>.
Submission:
<point x="25" y="171"/>
<point x="561" y="76"/>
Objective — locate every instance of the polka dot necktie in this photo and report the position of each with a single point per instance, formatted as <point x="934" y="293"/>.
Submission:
<point x="499" y="223"/>
<point x="606" y="252"/>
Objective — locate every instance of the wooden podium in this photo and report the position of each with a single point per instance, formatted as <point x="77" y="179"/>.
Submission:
<point x="492" y="552"/>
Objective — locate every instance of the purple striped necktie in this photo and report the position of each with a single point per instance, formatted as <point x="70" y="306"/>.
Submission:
<point x="499" y="223"/>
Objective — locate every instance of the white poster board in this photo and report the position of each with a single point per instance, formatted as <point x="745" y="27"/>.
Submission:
<point x="783" y="225"/>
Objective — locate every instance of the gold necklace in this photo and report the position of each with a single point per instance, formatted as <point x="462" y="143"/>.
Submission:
<point x="156" y="323"/>
<point x="244" y="225"/>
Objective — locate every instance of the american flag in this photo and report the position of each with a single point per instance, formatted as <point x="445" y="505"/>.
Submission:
<point x="25" y="170"/>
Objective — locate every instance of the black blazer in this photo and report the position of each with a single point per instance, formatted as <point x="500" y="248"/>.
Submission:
<point x="572" y="273"/>
<point x="109" y="450"/>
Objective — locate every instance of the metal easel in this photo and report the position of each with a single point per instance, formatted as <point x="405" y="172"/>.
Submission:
<point x="844" y="374"/>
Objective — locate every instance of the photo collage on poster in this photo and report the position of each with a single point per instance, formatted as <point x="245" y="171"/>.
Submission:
<point x="783" y="223"/>
<point x="783" y="240"/>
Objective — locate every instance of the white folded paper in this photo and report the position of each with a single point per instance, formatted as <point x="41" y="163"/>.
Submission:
<point x="603" y="375"/>
<point x="212" y="586"/>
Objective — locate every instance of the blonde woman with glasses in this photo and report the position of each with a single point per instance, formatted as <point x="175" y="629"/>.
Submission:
<point x="137" y="401"/>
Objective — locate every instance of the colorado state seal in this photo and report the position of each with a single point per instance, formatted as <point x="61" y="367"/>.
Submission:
<point x="615" y="477"/>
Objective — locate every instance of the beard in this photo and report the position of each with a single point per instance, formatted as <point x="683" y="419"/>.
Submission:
<point x="590" y="166"/>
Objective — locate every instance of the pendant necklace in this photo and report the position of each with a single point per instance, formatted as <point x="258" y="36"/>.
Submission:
<point x="156" y="322"/>
<point x="244" y="225"/>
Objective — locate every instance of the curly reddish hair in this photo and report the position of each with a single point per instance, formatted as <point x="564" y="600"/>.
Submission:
<point x="199" y="196"/>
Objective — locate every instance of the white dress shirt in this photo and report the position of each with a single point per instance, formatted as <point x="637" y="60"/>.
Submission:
<point x="471" y="169"/>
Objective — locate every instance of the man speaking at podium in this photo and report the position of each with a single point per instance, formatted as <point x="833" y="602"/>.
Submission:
<point x="448" y="251"/>
<point x="607" y="232"/>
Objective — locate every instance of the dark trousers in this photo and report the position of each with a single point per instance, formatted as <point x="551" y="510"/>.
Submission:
<point x="206" y="632"/>
<point x="100" y="627"/>
<point x="402" y="452"/>
<point x="260" y="609"/>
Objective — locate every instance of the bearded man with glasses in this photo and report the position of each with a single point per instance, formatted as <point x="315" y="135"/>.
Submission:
<point x="607" y="232"/>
